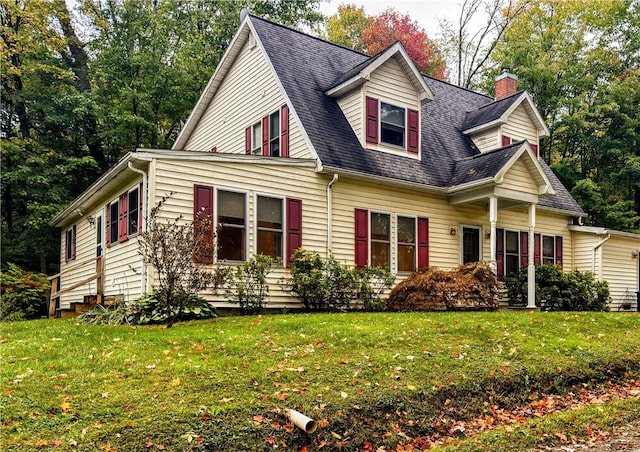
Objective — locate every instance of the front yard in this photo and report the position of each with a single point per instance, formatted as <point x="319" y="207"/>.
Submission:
<point x="370" y="380"/>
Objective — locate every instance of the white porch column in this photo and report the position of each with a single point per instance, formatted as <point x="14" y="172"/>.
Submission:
<point x="493" y="220"/>
<point x="531" y="269"/>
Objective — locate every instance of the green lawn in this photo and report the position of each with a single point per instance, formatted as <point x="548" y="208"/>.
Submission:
<point x="224" y="384"/>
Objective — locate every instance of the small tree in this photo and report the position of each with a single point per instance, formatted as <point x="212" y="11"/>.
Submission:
<point x="177" y="250"/>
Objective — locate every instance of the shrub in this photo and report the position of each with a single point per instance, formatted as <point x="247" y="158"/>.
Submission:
<point x="327" y="285"/>
<point x="558" y="291"/>
<point x="24" y="294"/>
<point x="469" y="287"/>
<point x="246" y="284"/>
<point x="148" y="310"/>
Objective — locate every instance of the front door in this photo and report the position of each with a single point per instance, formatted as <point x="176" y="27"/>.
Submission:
<point x="470" y="244"/>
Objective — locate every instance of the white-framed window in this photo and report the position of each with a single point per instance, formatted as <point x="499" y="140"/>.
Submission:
<point x="274" y="134"/>
<point x="70" y="243"/>
<point x="99" y="233"/>
<point x="133" y="211"/>
<point x="270" y="226"/>
<point x="392" y="124"/>
<point x="256" y="138"/>
<point x="548" y="249"/>
<point x="406" y="243"/>
<point x="511" y="252"/>
<point x="114" y="210"/>
<point x="380" y="240"/>
<point x="231" y="207"/>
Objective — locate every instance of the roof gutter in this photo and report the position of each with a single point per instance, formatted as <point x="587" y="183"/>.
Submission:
<point x="76" y="205"/>
<point x="145" y="191"/>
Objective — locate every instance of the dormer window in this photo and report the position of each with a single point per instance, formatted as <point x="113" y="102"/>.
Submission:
<point x="392" y="124"/>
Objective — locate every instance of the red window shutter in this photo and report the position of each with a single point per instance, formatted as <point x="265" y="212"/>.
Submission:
<point x="500" y="254"/>
<point x="413" y="132"/>
<point x="372" y="120"/>
<point x="107" y="226"/>
<point x="265" y="135"/>
<point x="73" y="242"/>
<point x="423" y="243"/>
<point x="247" y="140"/>
<point x="534" y="148"/>
<point x="536" y="250"/>
<point x="558" y="250"/>
<point x="284" y="131"/>
<point x="294" y="227"/>
<point x="524" y="249"/>
<point x="123" y="214"/>
<point x="140" y="214"/>
<point x="361" y="237"/>
<point x="506" y="141"/>
<point x="203" y="208"/>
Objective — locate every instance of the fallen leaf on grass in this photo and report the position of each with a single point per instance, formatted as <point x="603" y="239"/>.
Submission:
<point x="258" y="419"/>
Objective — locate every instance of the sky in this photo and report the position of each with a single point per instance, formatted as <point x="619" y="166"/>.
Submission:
<point x="427" y="13"/>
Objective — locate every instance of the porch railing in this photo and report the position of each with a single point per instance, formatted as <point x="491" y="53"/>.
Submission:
<point x="98" y="276"/>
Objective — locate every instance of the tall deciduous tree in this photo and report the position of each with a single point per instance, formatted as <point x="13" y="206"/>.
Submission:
<point x="351" y="27"/>
<point x="469" y="41"/>
<point x="580" y="62"/>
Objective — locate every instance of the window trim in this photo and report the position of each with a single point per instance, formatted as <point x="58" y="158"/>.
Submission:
<point x="278" y="118"/>
<point x="100" y="232"/>
<point x="256" y="145"/>
<point x="519" y="253"/>
<point x="284" y="227"/>
<point x="553" y="248"/>
<point x="398" y="243"/>
<point x="137" y="211"/>
<point x="371" y="240"/>
<point x="404" y="126"/>
<point x="113" y="221"/>
<point x="247" y="220"/>
<point x="70" y="237"/>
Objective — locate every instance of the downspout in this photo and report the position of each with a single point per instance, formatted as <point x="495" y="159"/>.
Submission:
<point x="143" y="276"/>
<point x="597" y="247"/>
<point x="330" y="213"/>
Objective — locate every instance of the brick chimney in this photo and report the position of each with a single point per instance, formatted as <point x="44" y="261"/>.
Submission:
<point x="506" y="84"/>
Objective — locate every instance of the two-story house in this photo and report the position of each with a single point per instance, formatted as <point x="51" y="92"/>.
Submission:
<point x="298" y="142"/>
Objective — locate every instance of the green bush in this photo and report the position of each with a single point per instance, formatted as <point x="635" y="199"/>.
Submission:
<point x="246" y="284"/>
<point x="24" y="294"/>
<point x="148" y="310"/>
<point x="327" y="285"/>
<point x="559" y="291"/>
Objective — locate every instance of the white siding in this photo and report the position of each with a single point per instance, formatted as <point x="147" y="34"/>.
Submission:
<point x="620" y="269"/>
<point x="519" y="178"/>
<point x="520" y="127"/>
<point x="247" y="94"/>
<point x="118" y="260"/>
<point x="296" y="182"/>
<point x="487" y="140"/>
<point x="352" y="105"/>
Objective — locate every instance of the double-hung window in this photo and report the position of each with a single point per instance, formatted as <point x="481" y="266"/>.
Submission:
<point x="270" y="135"/>
<point x="406" y="244"/>
<point x="113" y="223"/>
<point x="380" y="240"/>
<point x="256" y="137"/>
<point x="232" y="235"/>
<point x="269" y="226"/>
<point x="392" y="124"/>
<point x="133" y="214"/>
<point x="511" y="253"/>
<point x="70" y="244"/>
<point x="548" y="249"/>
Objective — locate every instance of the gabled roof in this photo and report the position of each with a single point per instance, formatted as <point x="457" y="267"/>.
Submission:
<point x="362" y="72"/>
<point x="307" y="68"/>
<point x="498" y="112"/>
<point x="491" y="167"/>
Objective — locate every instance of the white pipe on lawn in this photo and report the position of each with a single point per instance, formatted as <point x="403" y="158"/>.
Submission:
<point x="301" y="421"/>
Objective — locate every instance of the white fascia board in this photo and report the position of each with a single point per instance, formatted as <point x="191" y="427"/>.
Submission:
<point x="383" y="180"/>
<point x="568" y="213"/>
<point x="604" y="231"/>
<point x="210" y="90"/>
<point x="365" y="74"/>
<point x="94" y="188"/>
<point x="543" y="189"/>
<point x="150" y="154"/>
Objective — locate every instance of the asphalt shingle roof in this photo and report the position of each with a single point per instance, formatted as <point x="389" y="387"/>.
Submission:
<point x="489" y="112"/>
<point x="307" y="67"/>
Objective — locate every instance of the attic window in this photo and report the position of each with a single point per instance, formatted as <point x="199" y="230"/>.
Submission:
<point x="392" y="124"/>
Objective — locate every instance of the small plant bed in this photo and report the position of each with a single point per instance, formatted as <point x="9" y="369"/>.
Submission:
<point x="370" y="380"/>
